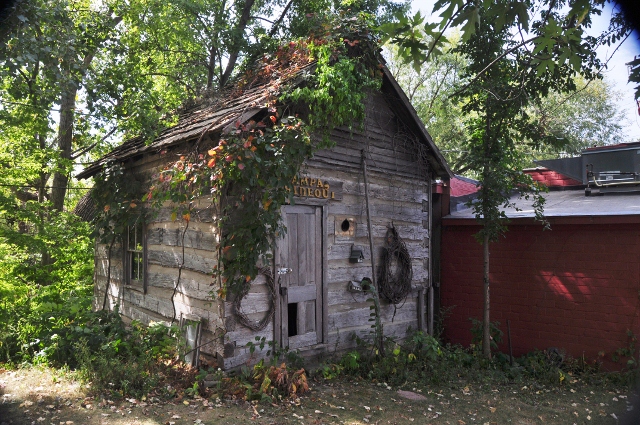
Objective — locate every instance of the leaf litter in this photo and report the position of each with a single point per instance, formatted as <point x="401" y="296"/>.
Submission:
<point x="41" y="396"/>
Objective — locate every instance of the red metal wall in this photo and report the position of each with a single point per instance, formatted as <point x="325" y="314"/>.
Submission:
<point x="576" y="287"/>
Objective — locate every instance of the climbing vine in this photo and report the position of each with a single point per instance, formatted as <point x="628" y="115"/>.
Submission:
<point x="116" y="196"/>
<point x="248" y="171"/>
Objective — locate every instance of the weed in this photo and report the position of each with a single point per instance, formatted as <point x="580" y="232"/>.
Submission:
<point x="495" y="334"/>
<point x="277" y="354"/>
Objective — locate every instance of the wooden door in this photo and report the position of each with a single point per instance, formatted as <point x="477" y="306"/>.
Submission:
<point x="299" y="268"/>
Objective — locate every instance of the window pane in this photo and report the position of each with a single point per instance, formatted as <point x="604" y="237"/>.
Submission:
<point x="135" y="252"/>
<point x="137" y="269"/>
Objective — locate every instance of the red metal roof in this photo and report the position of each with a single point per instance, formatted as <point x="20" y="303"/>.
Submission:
<point x="551" y="178"/>
<point x="461" y="186"/>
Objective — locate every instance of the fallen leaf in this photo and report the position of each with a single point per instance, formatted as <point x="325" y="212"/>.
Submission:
<point x="492" y="409"/>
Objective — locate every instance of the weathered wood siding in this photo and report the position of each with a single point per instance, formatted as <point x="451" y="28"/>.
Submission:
<point x="165" y="253"/>
<point x="398" y="191"/>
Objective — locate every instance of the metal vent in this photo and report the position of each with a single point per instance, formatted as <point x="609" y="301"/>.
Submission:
<point x="607" y="168"/>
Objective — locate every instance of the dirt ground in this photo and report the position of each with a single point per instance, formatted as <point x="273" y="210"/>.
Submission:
<point x="47" y="397"/>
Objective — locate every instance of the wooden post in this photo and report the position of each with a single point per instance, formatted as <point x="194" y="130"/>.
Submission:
<point x="429" y="253"/>
<point x="509" y="337"/>
<point x="430" y="301"/>
<point x="376" y="298"/>
<point x="421" y="310"/>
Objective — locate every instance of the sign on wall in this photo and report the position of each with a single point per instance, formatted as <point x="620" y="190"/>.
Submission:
<point x="312" y="187"/>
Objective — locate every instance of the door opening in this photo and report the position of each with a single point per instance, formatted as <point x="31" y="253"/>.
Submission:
<point x="292" y="313"/>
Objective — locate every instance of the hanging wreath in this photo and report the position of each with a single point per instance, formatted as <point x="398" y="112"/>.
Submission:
<point x="395" y="282"/>
<point x="237" y="304"/>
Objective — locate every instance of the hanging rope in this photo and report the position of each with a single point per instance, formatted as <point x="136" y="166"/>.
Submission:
<point x="395" y="282"/>
<point x="237" y="303"/>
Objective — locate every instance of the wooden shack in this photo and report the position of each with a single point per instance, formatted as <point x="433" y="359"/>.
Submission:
<point x="312" y="285"/>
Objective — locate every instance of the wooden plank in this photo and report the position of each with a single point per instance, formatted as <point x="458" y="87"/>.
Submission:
<point x="252" y="303"/>
<point x="292" y="260"/>
<point x="242" y="335"/>
<point x="322" y="310"/>
<point x="165" y="278"/>
<point x="345" y="339"/>
<point x="193" y="238"/>
<point x="301" y="253"/>
<point x="311" y="324"/>
<point x="301" y="318"/>
<point x="346" y="316"/>
<point x="203" y="215"/>
<point x="193" y="260"/>
<point x="299" y="294"/>
<point x="304" y="340"/>
<point x="284" y="248"/>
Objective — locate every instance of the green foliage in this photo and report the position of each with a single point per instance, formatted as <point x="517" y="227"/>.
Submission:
<point x="423" y="360"/>
<point x="116" y="196"/>
<point x="477" y="332"/>
<point x="250" y="172"/>
<point x="276" y="353"/>
<point x="545" y="36"/>
<point x="429" y="90"/>
<point x="37" y="301"/>
<point x="578" y="120"/>
<point x="344" y="49"/>
<point x="628" y="352"/>
<point x="123" y="360"/>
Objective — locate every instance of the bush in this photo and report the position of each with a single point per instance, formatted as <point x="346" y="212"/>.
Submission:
<point x="129" y="361"/>
<point x="40" y="302"/>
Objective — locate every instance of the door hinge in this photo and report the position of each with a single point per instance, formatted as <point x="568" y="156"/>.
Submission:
<point x="283" y="290"/>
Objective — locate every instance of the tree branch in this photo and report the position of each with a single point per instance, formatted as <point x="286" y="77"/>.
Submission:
<point x="493" y="62"/>
<point x="275" y="26"/>
<point x="233" y="56"/>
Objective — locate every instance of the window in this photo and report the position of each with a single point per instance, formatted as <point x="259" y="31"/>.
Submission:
<point x="135" y="256"/>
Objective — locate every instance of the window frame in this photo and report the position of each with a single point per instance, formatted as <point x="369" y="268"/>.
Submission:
<point x="130" y="252"/>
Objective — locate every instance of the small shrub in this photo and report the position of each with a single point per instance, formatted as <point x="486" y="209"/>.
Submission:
<point x="495" y="334"/>
<point x="129" y="361"/>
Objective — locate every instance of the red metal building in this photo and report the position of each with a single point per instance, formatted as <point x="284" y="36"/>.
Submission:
<point x="575" y="287"/>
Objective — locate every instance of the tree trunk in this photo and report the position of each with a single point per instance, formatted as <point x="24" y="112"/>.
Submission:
<point x="233" y="55"/>
<point x="65" y="139"/>
<point x="211" y="68"/>
<point x="486" y="324"/>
